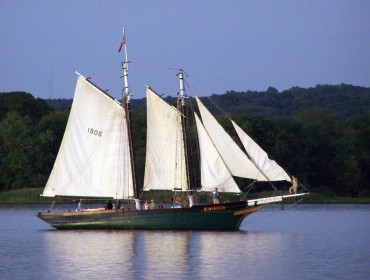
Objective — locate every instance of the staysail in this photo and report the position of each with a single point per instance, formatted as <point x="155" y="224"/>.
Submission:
<point x="165" y="167"/>
<point x="94" y="157"/>
<point x="234" y="158"/>
<point x="214" y="172"/>
<point x="271" y="170"/>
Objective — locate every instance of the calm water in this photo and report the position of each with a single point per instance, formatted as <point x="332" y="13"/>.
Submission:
<point x="301" y="242"/>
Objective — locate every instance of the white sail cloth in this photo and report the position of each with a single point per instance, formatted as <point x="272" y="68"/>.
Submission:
<point x="269" y="168"/>
<point x="165" y="167"/>
<point x="94" y="157"/>
<point x="214" y="172"/>
<point x="234" y="158"/>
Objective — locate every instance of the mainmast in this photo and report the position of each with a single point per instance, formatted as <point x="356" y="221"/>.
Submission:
<point x="126" y="98"/>
<point x="181" y="106"/>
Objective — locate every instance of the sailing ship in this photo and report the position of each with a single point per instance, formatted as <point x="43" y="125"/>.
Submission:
<point x="96" y="160"/>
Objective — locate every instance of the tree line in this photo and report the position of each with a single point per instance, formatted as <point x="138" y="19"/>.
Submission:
<point x="319" y="134"/>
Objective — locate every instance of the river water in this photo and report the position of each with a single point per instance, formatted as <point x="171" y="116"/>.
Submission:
<point x="301" y="242"/>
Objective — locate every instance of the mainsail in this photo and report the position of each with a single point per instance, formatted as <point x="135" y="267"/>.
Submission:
<point x="214" y="172"/>
<point x="234" y="158"/>
<point x="269" y="168"/>
<point x="165" y="167"/>
<point x="94" y="157"/>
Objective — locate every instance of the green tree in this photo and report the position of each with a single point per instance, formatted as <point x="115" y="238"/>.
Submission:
<point x="30" y="135"/>
<point x="23" y="103"/>
<point x="16" y="146"/>
<point x="319" y="130"/>
<point x="353" y="157"/>
<point x="48" y="136"/>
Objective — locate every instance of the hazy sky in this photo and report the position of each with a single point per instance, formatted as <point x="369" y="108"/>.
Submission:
<point x="222" y="45"/>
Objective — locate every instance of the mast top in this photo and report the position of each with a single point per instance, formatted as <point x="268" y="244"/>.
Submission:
<point x="126" y="95"/>
<point x="182" y="93"/>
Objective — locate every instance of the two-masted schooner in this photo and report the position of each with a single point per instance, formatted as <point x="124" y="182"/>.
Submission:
<point x="96" y="160"/>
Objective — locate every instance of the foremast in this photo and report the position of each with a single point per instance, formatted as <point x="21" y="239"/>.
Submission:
<point x="181" y="106"/>
<point x="126" y="99"/>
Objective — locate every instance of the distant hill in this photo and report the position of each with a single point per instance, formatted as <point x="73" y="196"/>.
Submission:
<point x="59" y="104"/>
<point x="343" y="100"/>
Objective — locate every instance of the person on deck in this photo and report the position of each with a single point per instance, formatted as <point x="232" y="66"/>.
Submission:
<point x="119" y="205"/>
<point x="294" y="186"/>
<point x="215" y="196"/>
<point x="173" y="203"/>
<point x="152" y="204"/>
<point x="108" y="205"/>
<point x="146" y="205"/>
<point x="79" y="205"/>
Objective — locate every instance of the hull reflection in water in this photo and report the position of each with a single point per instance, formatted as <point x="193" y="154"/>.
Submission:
<point x="164" y="254"/>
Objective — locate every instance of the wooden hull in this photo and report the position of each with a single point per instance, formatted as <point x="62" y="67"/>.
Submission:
<point x="227" y="216"/>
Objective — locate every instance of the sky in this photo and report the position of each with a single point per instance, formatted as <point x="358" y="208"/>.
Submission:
<point x="222" y="45"/>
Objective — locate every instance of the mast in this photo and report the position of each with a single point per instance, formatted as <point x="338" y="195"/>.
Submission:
<point x="126" y="97"/>
<point x="181" y="106"/>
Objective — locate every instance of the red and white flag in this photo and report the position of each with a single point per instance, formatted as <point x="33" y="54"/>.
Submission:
<point x="123" y="42"/>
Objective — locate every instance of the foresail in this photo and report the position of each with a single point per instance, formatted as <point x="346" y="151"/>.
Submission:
<point x="94" y="157"/>
<point x="271" y="170"/>
<point x="165" y="167"/>
<point x="214" y="172"/>
<point x="234" y="158"/>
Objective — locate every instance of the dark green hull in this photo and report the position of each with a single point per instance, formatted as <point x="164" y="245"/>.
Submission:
<point x="206" y="217"/>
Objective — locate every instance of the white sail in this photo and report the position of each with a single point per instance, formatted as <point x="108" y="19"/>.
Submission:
<point x="165" y="167"/>
<point x="235" y="159"/>
<point x="271" y="170"/>
<point x="94" y="157"/>
<point x="214" y="172"/>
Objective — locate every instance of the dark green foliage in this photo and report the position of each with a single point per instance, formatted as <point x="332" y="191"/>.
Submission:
<point x="352" y="157"/>
<point x="30" y="135"/>
<point x="15" y="150"/>
<point x="319" y="134"/>
<point x="139" y="144"/>
<point x="23" y="103"/>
